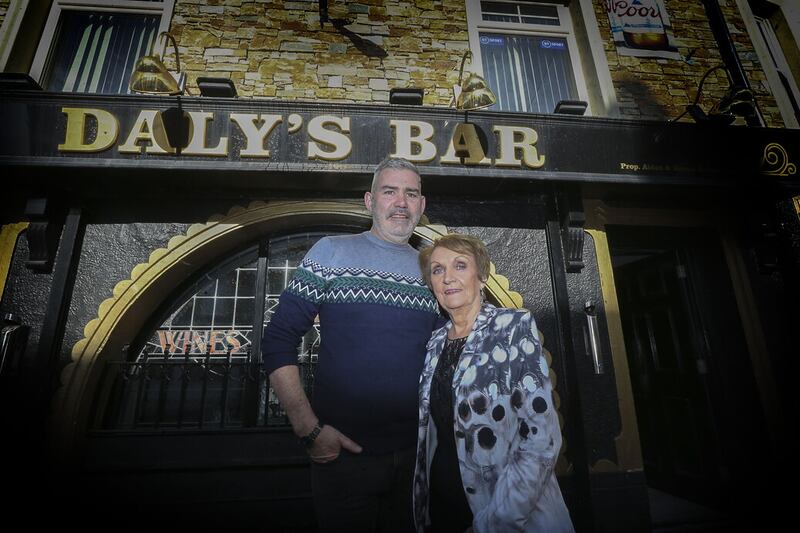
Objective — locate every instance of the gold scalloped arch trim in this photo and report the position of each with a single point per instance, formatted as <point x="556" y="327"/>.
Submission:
<point x="121" y="317"/>
<point x="9" y="234"/>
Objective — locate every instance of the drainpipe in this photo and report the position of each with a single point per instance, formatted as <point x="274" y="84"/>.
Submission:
<point x="728" y="52"/>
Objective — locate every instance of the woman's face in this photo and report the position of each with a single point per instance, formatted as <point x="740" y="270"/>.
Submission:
<point x="455" y="280"/>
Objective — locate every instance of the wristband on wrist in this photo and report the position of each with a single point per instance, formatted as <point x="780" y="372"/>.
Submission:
<point x="309" y="439"/>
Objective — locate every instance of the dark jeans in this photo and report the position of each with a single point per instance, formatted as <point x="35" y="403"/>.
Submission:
<point x="369" y="493"/>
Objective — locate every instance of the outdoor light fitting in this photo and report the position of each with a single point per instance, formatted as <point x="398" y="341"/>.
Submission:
<point x="150" y="76"/>
<point x="222" y="87"/>
<point x="571" y="107"/>
<point x="738" y="101"/>
<point x="471" y="93"/>
<point x="406" y="95"/>
<point x="474" y="92"/>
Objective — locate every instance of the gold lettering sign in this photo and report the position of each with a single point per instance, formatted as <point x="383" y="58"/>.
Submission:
<point x="513" y="138"/>
<point x="75" y="139"/>
<point x="197" y="144"/>
<point x="255" y="135"/>
<point x="409" y="134"/>
<point x="465" y="144"/>
<point x="328" y="138"/>
<point x="148" y="127"/>
<point x="341" y="144"/>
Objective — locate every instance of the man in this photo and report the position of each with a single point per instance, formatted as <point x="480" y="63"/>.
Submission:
<point x="376" y="317"/>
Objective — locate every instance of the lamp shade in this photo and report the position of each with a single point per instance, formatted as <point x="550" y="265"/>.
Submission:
<point x="475" y="94"/>
<point x="150" y="76"/>
<point x="738" y="101"/>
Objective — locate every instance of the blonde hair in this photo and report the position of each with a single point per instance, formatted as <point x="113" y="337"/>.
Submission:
<point x="456" y="242"/>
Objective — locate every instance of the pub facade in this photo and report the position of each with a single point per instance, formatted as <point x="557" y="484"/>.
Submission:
<point x="637" y="191"/>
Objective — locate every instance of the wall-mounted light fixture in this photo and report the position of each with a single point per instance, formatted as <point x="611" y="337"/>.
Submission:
<point x="738" y="101"/>
<point x="406" y="95"/>
<point x="474" y="92"/>
<point x="150" y="76"/>
<point x="222" y="87"/>
<point x="570" y="107"/>
<point x="471" y="93"/>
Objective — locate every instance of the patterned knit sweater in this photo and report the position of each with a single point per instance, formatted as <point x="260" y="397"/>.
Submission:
<point x="376" y="316"/>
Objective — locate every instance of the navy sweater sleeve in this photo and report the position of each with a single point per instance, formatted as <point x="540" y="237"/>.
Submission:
<point x="291" y="320"/>
<point x="297" y="308"/>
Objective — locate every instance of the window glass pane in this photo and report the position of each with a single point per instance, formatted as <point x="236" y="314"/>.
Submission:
<point x="539" y="11"/>
<point x="517" y="12"/>
<point x="500" y="18"/>
<point x="183" y="378"/>
<point x="498" y="7"/>
<point x="541" y="20"/>
<point x="527" y="73"/>
<point x="96" y="52"/>
<point x="214" y="320"/>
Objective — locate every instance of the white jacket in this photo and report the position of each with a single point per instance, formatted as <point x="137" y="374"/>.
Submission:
<point x="505" y="424"/>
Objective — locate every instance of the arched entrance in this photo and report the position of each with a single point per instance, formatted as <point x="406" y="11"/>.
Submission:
<point x="121" y="318"/>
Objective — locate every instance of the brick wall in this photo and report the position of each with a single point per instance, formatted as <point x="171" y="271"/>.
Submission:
<point x="278" y="49"/>
<point x="660" y="89"/>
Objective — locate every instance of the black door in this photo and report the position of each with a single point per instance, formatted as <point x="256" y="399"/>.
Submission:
<point x="698" y="412"/>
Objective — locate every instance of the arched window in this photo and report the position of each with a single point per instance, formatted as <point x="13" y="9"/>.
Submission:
<point x="198" y="364"/>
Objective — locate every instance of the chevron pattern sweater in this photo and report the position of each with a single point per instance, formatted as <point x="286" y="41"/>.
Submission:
<point x="376" y="317"/>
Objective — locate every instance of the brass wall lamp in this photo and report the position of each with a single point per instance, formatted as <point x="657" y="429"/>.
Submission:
<point x="150" y="75"/>
<point x="472" y="93"/>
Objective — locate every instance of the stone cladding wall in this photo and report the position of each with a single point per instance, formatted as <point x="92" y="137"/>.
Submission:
<point x="660" y="89"/>
<point x="280" y="49"/>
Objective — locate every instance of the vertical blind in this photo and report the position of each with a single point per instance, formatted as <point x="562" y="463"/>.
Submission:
<point x="529" y="74"/>
<point x="96" y="52"/>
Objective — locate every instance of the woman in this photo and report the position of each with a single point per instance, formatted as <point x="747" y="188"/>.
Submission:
<point x="488" y="430"/>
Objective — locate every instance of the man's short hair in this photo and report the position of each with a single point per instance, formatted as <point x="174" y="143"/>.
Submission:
<point x="462" y="244"/>
<point x="395" y="163"/>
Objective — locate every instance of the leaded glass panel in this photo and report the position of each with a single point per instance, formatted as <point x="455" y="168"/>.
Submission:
<point x="199" y="368"/>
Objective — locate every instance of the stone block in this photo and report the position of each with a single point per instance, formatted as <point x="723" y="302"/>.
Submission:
<point x="202" y="37"/>
<point x="357" y="8"/>
<point x="218" y="52"/>
<point x="331" y="93"/>
<point x="296" y="47"/>
<point x="378" y="84"/>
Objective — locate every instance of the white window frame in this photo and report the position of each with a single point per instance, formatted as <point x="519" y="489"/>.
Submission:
<point x="9" y="31"/>
<point x="163" y="9"/>
<point x="564" y="30"/>
<point x="792" y="16"/>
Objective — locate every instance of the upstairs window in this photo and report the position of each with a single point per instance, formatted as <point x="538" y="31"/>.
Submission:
<point x="526" y="51"/>
<point x="91" y="46"/>
<point x="786" y="91"/>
